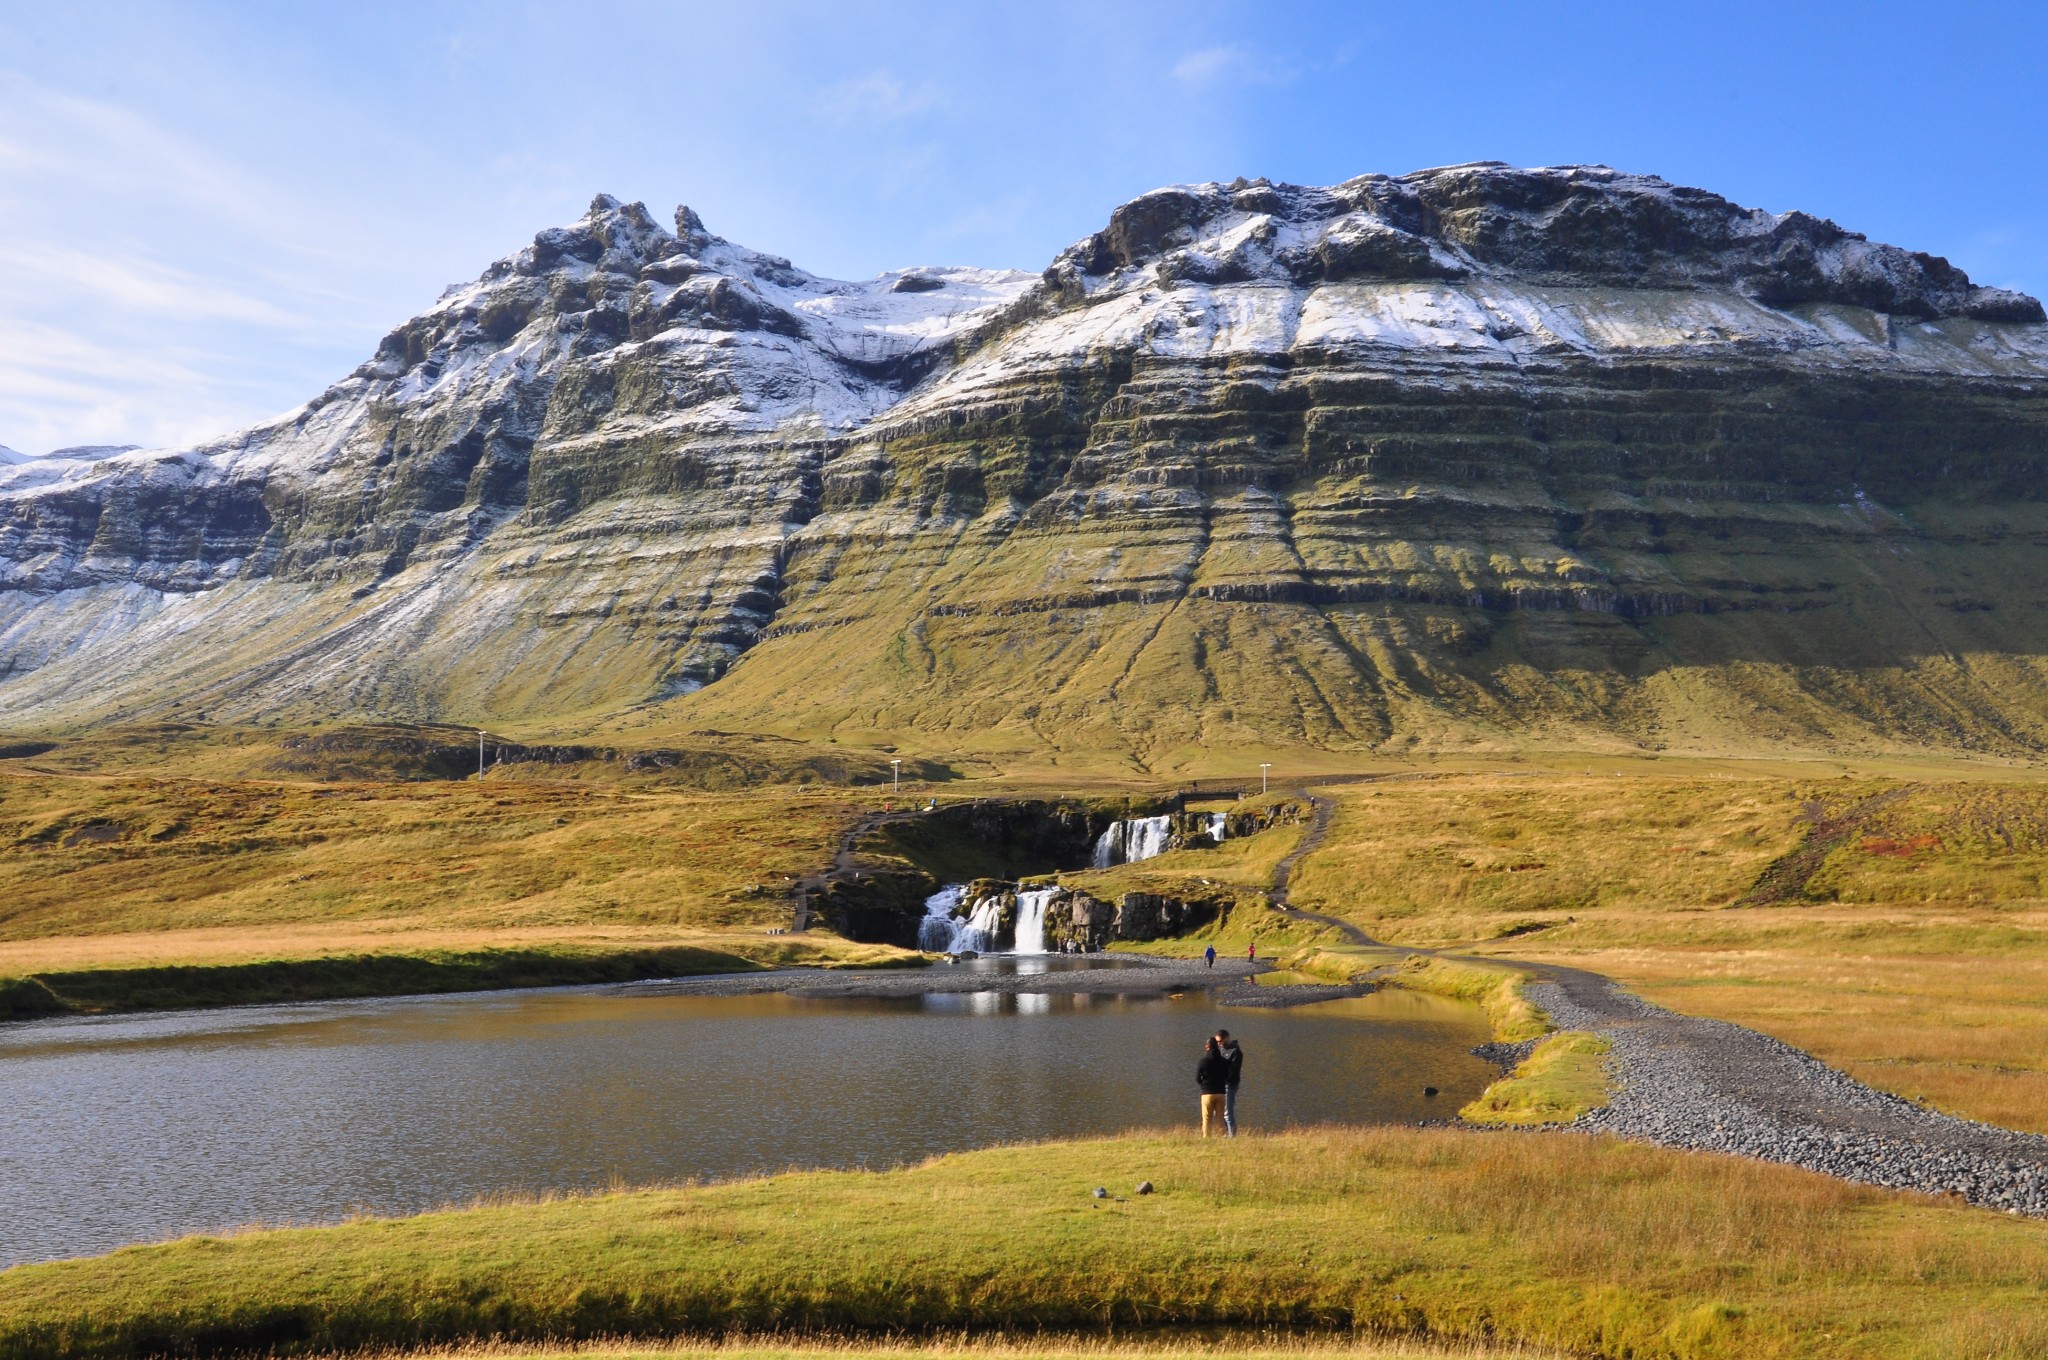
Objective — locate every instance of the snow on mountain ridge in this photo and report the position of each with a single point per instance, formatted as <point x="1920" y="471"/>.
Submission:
<point x="1475" y="260"/>
<point x="1587" y="225"/>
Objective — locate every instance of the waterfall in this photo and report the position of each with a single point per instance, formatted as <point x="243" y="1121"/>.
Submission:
<point x="938" y="930"/>
<point x="1106" y="846"/>
<point x="1128" y="842"/>
<point x="978" y="931"/>
<point x="941" y="932"/>
<point x="1219" y="826"/>
<point x="1031" y="905"/>
<point x="1147" y="837"/>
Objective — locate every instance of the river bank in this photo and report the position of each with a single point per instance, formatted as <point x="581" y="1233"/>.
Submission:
<point x="181" y="982"/>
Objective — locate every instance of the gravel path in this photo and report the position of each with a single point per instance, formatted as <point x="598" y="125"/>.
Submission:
<point x="1691" y="1083"/>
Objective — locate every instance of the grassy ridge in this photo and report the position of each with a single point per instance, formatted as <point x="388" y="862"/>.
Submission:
<point x="171" y="987"/>
<point x="127" y="893"/>
<point x="1591" y="1246"/>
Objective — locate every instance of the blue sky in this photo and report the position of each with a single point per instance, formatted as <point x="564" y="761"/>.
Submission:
<point x="209" y="212"/>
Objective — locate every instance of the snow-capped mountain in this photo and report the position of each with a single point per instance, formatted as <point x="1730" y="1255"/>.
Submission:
<point x="1470" y="451"/>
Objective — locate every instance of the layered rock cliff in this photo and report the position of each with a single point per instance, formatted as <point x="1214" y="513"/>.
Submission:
<point x="1469" y="456"/>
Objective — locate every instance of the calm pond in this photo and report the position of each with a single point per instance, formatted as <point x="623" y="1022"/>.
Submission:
<point x="137" y="1128"/>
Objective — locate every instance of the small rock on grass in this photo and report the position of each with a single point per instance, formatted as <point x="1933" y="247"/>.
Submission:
<point x="1144" y="1187"/>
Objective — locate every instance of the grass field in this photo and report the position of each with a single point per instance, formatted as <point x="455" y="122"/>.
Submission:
<point x="1914" y="954"/>
<point x="123" y="891"/>
<point x="1588" y="1246"/>
<point x="973" y="1346"/>
<point x="1896" y="926"/>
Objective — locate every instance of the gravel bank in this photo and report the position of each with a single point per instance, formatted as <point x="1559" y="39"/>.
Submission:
<point x="1122" y="974"/>
<point x="1691" y="1083"/>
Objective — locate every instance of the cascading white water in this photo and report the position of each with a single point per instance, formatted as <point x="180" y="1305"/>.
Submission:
<point x="941" y="932"/>
<point x="1125" y="842"/>
<point x="1128" y="842"/>
<point x="938" y="930"/>
<point x="1031" y="905"/>
<point x="978" y="931"/>
<point x="1147" y="837"/>
<point x="1106" y="846"/>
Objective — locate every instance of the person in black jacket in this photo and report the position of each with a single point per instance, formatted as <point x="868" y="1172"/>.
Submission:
<point x="1212" y="1075"/>
<point x="1233" y="1056"/>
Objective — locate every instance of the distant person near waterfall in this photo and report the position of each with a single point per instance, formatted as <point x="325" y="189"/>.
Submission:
<point x="1209" y="956"/>
<point x="1233" y="1059"/>
<point x="1212" y="1076"/>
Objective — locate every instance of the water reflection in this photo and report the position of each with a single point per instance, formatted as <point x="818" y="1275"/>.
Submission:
<point x="133" y="1128"/>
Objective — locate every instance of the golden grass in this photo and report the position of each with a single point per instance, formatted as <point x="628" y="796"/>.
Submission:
<point x="973" y="1346"/>
<point x="231" y="945"/>
<point x="113" y="856"/>
<point x="118" y="892"/>
<point x="1589" y="1246"/>
<point x="1562" y="1078"/>
<point x="1466" y="857"/>
<point x="1916" y="958"/>
<point x="1965" y="1031"/>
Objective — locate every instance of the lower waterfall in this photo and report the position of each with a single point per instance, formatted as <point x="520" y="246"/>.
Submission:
<point x="941" y="932"/>
<point x="1031" y="905"/>
<point x="938" y="930"/>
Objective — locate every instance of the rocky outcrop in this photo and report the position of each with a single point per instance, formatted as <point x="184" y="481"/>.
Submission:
<point x="1466" y="457"/>
<point x="1086" y="923"/>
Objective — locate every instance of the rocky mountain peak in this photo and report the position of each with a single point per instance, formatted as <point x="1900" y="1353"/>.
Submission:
<point x="1576" y="225"/>
<point x="1256" y="463"/>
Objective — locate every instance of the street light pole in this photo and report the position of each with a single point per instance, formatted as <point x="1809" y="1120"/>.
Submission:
<point x="1264" y="766"/>
<point x="479" y="753"/>
<point x="895" y="778"/>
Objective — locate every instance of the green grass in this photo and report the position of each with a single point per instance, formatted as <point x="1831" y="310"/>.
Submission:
<point x="1589" y="1246"/>
<point x="1565" y="1076"/>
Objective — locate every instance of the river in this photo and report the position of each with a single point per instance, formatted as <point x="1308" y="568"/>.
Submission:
<point x="136" y="1128"/>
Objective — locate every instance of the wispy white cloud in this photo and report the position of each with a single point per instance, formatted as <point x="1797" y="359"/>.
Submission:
<point x="1232" y="66"/>
<point x="133" y="282"/>
<point x="151" y="291"/>
<point x="878" y="97"/>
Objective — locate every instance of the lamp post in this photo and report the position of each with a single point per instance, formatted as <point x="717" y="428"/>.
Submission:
<point x="895" y="778"/>
<point x="479" y="753"/>
<point x="1264" y="766"/>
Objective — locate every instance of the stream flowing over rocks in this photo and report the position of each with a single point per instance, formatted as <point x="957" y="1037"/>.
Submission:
<point x="1685" y="1082"/>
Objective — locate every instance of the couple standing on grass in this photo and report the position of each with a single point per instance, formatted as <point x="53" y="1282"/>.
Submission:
<point x="1217" y="1074"/>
